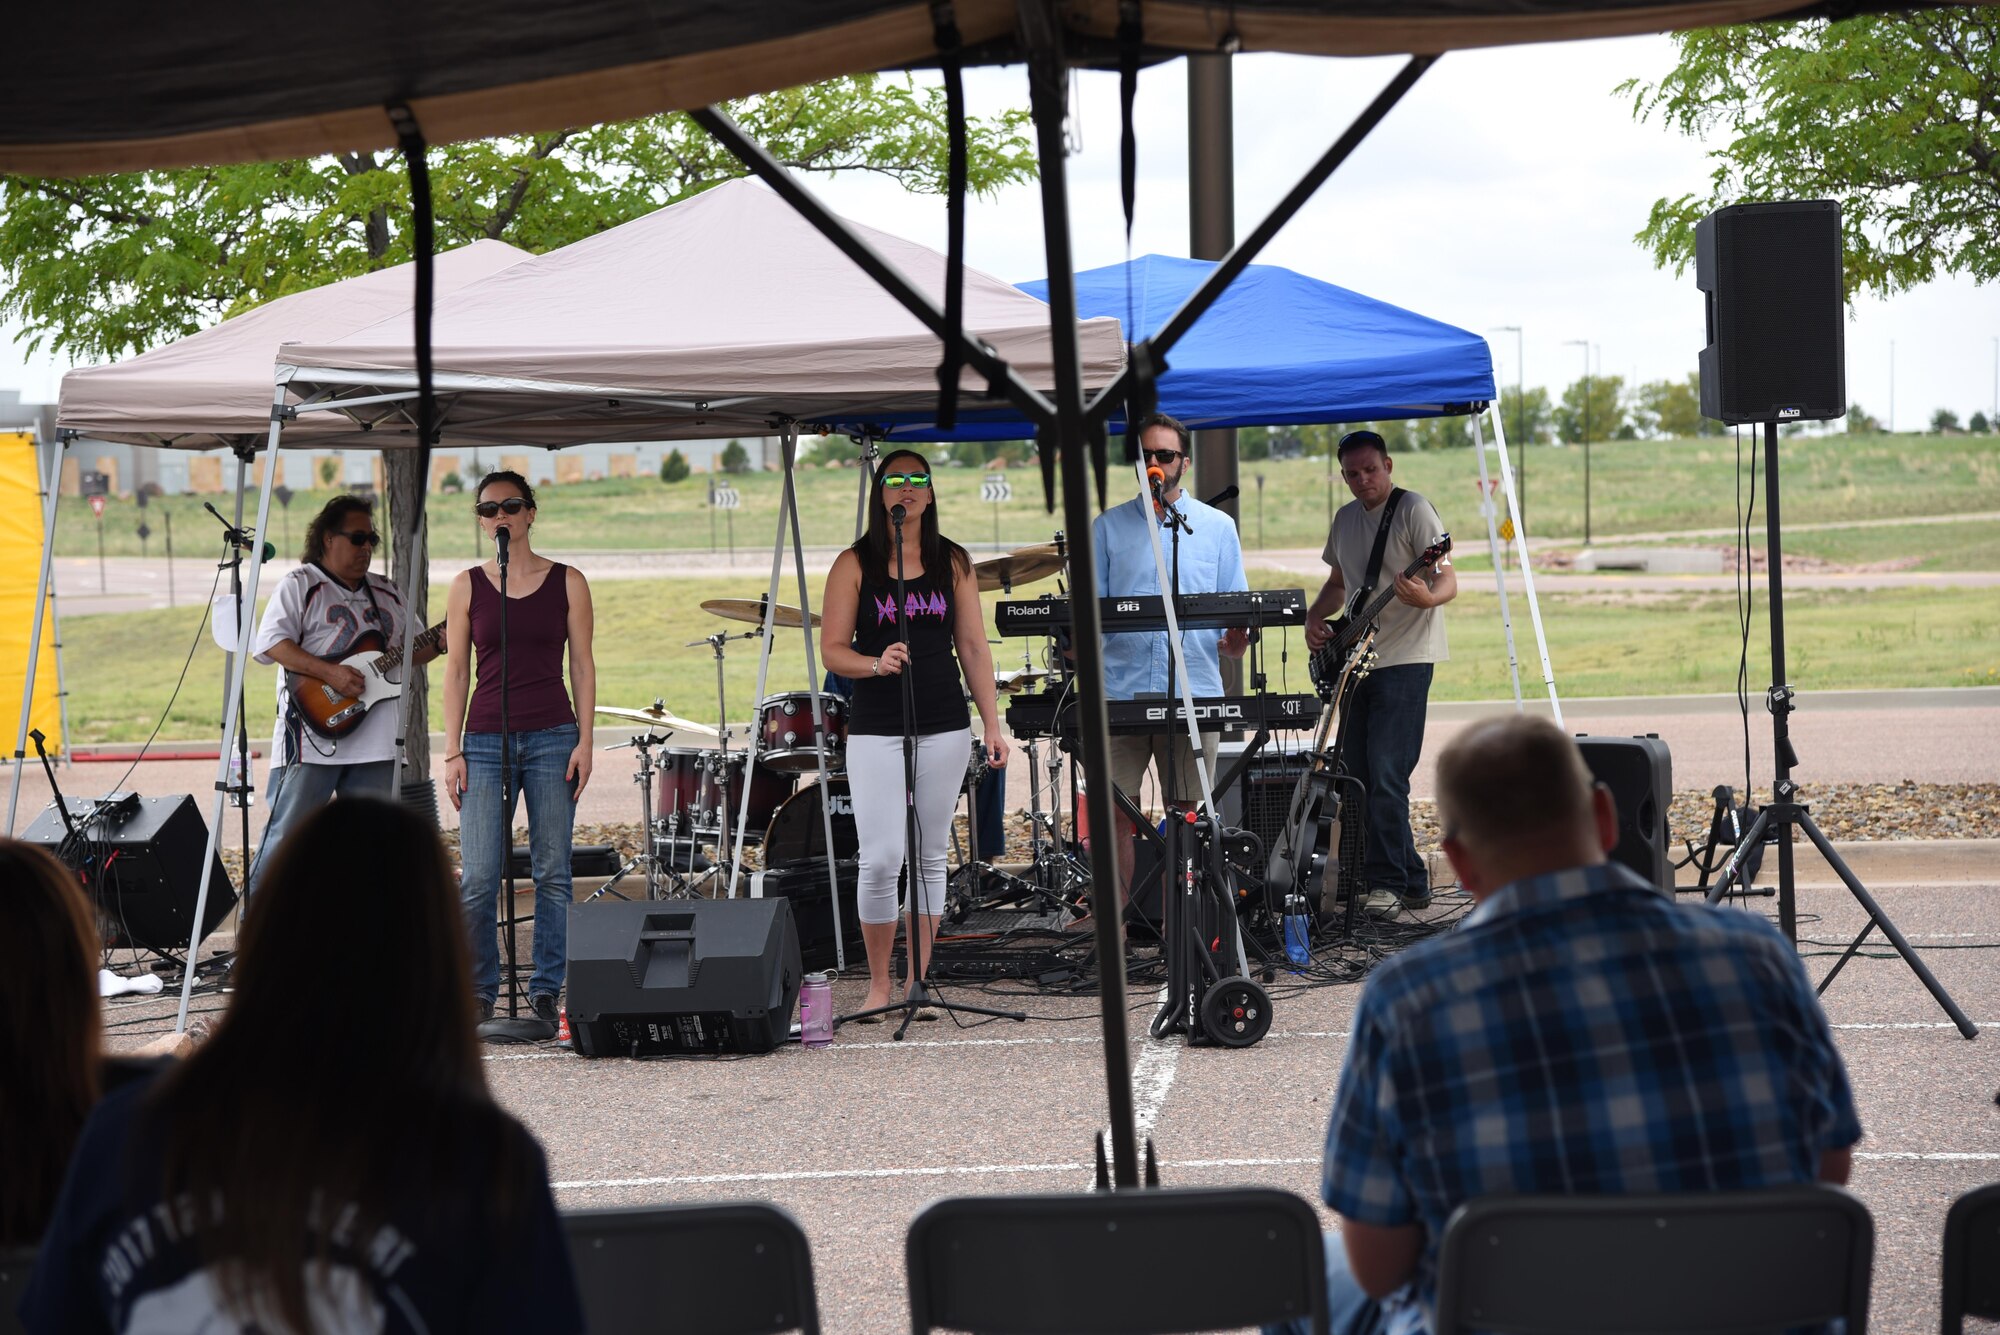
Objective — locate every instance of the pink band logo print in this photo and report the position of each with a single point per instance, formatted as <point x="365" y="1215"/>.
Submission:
<point x="916" y="605"/>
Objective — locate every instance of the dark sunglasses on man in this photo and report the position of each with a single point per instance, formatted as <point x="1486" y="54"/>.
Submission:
<point x="513" y="505"/>
<point x="1162" y="457"/>
<point x="360" y="537"/>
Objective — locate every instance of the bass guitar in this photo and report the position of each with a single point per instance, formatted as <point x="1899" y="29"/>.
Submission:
<point x="1300" y="852"/>
<point x="333" y="715"/>
<point x="1330" y="660"/>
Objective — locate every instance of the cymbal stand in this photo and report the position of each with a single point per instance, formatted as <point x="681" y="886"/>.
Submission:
<point x="647" y="856"/>
<point x="725" y="846"/>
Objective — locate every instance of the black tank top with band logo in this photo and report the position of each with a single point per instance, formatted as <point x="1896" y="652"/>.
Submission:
<point x="940" y="693"/>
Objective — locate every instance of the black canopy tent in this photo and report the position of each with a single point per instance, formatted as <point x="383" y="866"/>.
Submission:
<point x="201" y="83"/>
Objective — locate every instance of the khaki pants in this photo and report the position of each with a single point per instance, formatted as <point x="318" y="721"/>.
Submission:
<point x="1132" y="755"/>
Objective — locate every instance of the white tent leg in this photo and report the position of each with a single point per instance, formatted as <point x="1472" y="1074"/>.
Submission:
<point x="790" y="448"/>
<point x="232" y="699"/>
<point x="1527" y="570"/>
<point x="62" y="680"/>
<point x="763" y="677"/>
<point x="1499" y="568"/>
<point x="51" y="479"/>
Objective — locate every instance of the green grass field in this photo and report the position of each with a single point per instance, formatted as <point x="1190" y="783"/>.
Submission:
<point x="1636" y="487"/>
<point x="122" y="667"/>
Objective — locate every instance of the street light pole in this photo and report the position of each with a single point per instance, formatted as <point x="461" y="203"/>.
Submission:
<point x="1520" y="425"/>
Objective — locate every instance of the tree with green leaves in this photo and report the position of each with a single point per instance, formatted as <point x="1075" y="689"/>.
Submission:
<point x="735" y="459"/>
<point x="674" y="468"/>
<point x="1671" y="409"/>
<point x="101" y="266"/>
<point x="1591" y="409"/>
<point x="1527" y="418"/>
<point x="1943" y="421"/>
<point x="1978" y="424"/>
<point x="1860" y="422"/>
<point x="1896" y="116"/>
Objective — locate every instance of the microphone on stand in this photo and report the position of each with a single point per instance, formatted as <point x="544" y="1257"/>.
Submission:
<point x="1228" y="493"/>
<point x="500" y="536"/>
<point x="896" y="514"/>
<point x="1156" y="478"/>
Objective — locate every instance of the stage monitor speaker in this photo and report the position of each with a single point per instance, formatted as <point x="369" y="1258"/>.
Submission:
<point x="803" y="885"/>
<point x="1639" y="771"/>
<point x="662" y="977"/>
<point x="1776" y="348"/>
<point x="143" y="855"/>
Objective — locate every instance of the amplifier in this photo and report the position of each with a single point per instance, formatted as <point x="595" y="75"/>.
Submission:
<point x="803" y="885"/>
<point x="143" y="856"/>
<point x="584" y="860"/>
<point x="655" y="978"/>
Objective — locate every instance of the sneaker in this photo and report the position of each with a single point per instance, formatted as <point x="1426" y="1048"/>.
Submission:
<point x="544" y="1004"/>
<point x="1421" y="899"/>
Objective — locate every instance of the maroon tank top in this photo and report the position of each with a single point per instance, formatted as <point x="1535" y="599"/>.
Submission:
<point x="537" y="633"/>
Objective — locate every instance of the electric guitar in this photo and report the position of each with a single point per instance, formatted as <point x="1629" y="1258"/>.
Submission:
<point x="1299" y="854"/>
<point x="333" y="715"/>
<point x="1331" y="660"/>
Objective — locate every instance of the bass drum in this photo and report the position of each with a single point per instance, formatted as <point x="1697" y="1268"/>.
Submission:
<point x="797" y="833"/>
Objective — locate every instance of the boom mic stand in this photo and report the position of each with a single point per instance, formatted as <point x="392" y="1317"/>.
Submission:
<point x="1785" y="811"/>
<point x="514" y="1028"/>
<point x="918" y="958"/>
<point x="237" y="540"/>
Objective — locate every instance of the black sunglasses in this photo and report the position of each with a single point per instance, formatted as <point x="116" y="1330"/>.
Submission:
<point x="1161" y="456"/>
<point x="360" y="537"/>
<point x="513" y="505"/>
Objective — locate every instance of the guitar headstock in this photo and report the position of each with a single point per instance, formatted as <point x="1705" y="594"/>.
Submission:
<point x="1435" y="553"/>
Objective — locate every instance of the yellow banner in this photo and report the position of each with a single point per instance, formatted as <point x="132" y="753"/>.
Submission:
<point x="20" y="567"/>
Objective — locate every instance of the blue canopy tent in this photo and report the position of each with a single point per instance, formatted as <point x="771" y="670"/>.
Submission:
<point x="1281" y="349"/>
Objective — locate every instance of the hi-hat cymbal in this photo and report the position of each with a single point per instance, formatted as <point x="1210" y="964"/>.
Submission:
<point x="659" y="713"/>
<point x="1023" y="565"/>
<point x="752" y="610"/>
<point x="1010" y="683"/>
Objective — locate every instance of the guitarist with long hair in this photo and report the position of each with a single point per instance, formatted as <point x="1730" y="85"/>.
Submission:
<point x="1378" y="534"/>
<point x="328" y="609"/>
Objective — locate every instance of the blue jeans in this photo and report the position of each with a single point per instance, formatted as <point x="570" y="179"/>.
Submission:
<point x="485" y="838"/>
<point x="1349" y="1309"/>
<point x="296" y="791"/>
<point x="1385" y="735"/>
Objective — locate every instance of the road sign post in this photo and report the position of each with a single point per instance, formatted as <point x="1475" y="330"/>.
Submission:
<point x="996" y="491"/>
<point x="723" y="497"/>
<point x="97" y="508"/>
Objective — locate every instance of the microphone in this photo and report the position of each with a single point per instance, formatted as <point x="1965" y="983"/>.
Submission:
<point x="1156" y="478"/>
<point x="242" y="539"/>
<point x="500" y="536"/>
<point x="1228" y="493"/>
<point x="896" y="514"/>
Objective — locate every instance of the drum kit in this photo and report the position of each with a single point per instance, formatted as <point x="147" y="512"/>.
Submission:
<point x="692" y="797"/>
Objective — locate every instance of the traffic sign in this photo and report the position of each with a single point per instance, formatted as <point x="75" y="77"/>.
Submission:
<point x="996" y="488"/>
<point x="97" y="506"/>
<point x="725" y="497"/>
<point x="1507" y="530"/>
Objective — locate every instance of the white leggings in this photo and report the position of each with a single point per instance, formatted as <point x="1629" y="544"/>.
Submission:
<point x="875" y="777"/>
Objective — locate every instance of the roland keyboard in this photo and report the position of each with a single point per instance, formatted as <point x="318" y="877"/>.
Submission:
<point x="1039" y="715"/>
<point x="1142" y="612"/>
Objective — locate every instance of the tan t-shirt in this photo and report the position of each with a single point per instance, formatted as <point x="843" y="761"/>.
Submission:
<point x="1409" y="634"/>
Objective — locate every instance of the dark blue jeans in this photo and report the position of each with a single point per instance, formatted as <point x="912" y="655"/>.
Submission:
<point x="1384" y="736"/>
<point x="485" y="838"/>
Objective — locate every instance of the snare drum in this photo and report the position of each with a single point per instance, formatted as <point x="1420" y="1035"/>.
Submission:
<point x="787" y="740"/>
<point x="721" y="797"/>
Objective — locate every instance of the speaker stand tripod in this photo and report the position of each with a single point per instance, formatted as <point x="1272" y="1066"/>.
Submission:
<point x="1786" y="813"/>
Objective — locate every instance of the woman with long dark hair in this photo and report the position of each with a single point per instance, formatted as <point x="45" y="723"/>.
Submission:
<point x="331" y="1160"/>
<point x="860" y="639"/>
<point x="548" y="738"/>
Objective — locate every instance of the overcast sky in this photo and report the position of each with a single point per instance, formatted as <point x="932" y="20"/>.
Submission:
<point x="1505" y="189"/>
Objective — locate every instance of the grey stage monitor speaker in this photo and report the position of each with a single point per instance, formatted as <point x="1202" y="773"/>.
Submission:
<point x="1771" y="275"/>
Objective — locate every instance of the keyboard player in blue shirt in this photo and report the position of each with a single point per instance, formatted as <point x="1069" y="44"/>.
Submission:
<point x="1136" y="662"/>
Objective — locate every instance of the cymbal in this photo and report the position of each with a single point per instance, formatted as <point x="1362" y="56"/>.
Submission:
<point x="1018" y="680"/>
<point x="659" y="713"/>
<point x="1023" y="565"/>
<point x="752" y="610"/>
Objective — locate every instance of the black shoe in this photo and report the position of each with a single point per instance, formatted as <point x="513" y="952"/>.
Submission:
<point x="485" y="1009"/>
<point x="1415" y="899"/>
<point x="544" y="1006"/>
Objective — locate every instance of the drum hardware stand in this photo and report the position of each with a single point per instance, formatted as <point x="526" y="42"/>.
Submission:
<point x="1725" y="830"/>
<point x="918" y="954"/>
<point x="1785" y="812"/>
<point x="719" y="763"/>
<point x="647" y="856"/>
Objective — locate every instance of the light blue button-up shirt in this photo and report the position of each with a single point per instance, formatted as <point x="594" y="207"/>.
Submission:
<point x="1211" y="561"/>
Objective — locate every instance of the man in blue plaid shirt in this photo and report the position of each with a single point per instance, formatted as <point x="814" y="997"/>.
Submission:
<point x="1579" y="1032"/>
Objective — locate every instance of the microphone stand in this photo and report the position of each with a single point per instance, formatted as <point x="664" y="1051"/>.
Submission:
<point x="514" y="1028"/>
<point x="915" y="996"/>
<point x="237" y="540"/>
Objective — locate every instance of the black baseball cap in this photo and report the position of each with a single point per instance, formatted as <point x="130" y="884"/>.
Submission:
<point x="1355" y="440"/>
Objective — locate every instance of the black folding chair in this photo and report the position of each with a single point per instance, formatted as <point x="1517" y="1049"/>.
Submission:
<point x="1709" y="1262"/>
<point x="16" y="1264"/>
<point x="1148" y="1262"/>
<point x="720" y="1269"/>
<point x="1972" y="1258"/>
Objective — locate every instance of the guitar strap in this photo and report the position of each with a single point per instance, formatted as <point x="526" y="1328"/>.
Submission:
<point x="1374" y="571"/>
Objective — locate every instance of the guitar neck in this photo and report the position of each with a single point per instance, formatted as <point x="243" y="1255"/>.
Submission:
<point x="392" y="658"/>
<point x="1352" y="631"/>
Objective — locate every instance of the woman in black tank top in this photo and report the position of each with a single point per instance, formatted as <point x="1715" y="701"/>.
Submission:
<point x="860" y="639"/>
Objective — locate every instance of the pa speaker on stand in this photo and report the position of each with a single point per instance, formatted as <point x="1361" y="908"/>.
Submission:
<point x="1776" y="349"/>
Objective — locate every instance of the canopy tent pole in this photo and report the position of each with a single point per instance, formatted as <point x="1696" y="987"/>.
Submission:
<point x="1521" y="550"/>
<point x="51" y="482"/>
<point x="233" y="696"/>
<point x="1048" y="82"/>
<point x="1493" y="550"/>
<point x="785" y="512"/>
<point x="790" y="449"/>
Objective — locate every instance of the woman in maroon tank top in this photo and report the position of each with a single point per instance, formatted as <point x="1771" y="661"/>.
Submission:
<point x="547" y="732"/>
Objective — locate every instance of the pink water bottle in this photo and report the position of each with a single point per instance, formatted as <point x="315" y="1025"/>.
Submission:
<point x="816" y="1011"/>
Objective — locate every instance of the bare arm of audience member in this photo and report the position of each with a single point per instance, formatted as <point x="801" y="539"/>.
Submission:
<point x="1382" y="1258"/>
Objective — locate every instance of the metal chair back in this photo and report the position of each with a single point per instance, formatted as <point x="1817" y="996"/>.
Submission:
<point x="1972" y="1258"/>
<point x="717" y="1269"/>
